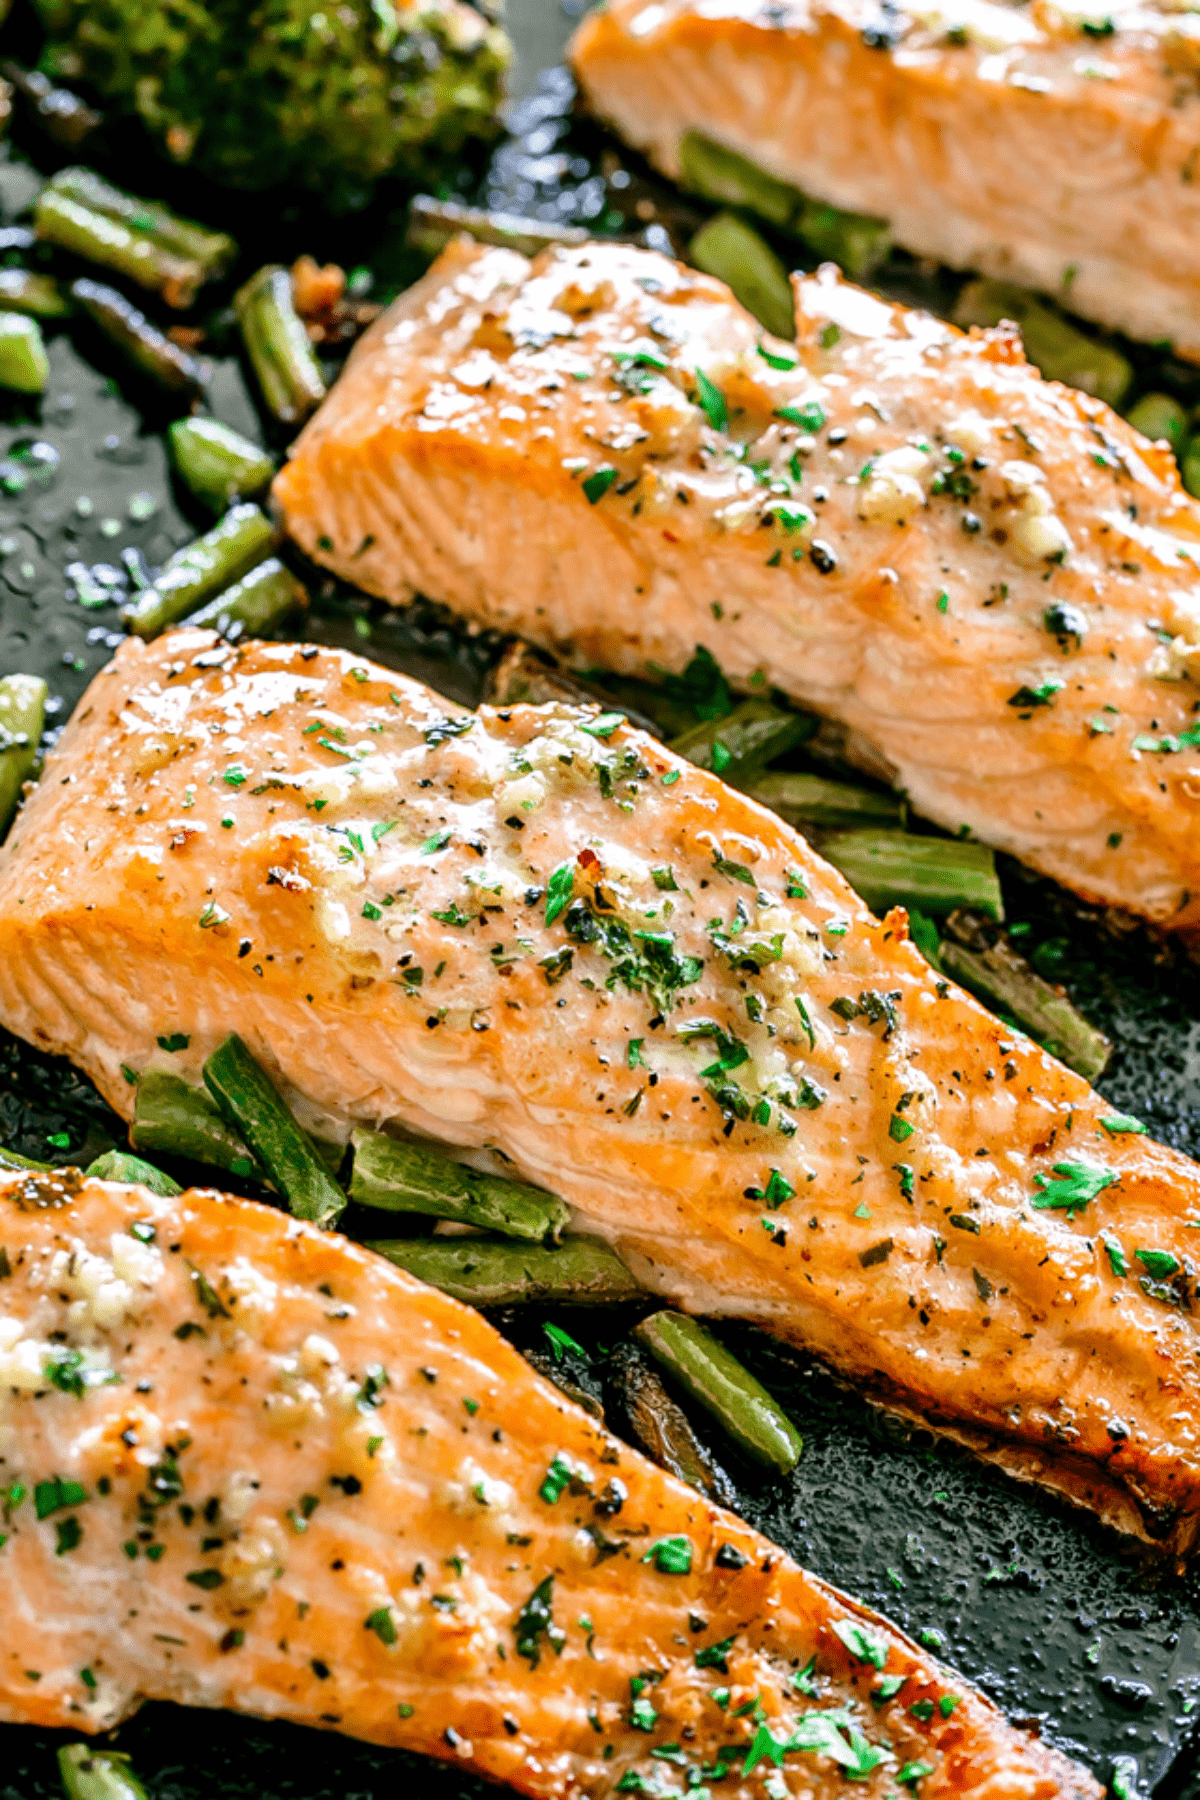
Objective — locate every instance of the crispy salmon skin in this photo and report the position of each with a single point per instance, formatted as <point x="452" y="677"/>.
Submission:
<point x="536" y="931"/>
<point x="989" y="578"/>
<point x="1049" y="145"/>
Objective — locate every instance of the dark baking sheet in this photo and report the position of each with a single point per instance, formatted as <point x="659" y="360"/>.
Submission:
<point x="1090" y="1648"/>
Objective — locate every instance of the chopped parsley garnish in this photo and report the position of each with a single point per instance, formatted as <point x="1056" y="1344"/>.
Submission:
<point x="206" y="1579"/>
<point x="776" y="362"/>
<point x="69" y="1536"/>
<point x="235" y="775"/>
<point x="382" y="1624"/>
<point x="453" y="915"/>
<point x="712" y="401"/>
<point x="597" y="484"/>
<point x="860" y="1642"/>
<point x="1118" y="1261"/>
<point x="1026" y="698"/>
<point x="53" y="1495"/>
<point x="556" y="1480"/>
<point x="810" y="417"/>
<point x="605" y="725"/>
<point x="1121" y="1122"/>
<point x="913" y="1772"/>
<point x="795" y="889"/>
<point x="536" y="1619"/>
<point x="777" y="1190"/>
<point x="437" y="841"/>
<point x="178" y="1040"/>
<point x="671" y="1555"/>
<point x="562" y="1341"/>
<point x="559" y="890"/>
<point x="1159" y="1263"/>
<point x="900" y="1129"/>
<point x="1077" y="1183"/>
<point x="441" y="729"/>
<point x="736" y="871"/>
<point x="714" y="1656"/>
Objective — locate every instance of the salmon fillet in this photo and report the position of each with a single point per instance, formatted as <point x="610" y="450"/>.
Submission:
<point x="246" y="1464"/>
<point x="535" y="931"/>
<point x="1054" y="146"/>
<point x="990" y="578"/>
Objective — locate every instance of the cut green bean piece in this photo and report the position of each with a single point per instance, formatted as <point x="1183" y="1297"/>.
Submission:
<point x="858" y="244"/>
<point x="256" y="605"/>
<point x="117" y="1165"/>
<point x="491" y="1272"/>
<point x="22" y="717"/>
<point x="278" y="346"/>
<point x="813" y="802"/>
<point x="1189" y="467"/>
<point x="10" y="1159"/>
<point x="416" y="1178"/>
<point x="662" y="1427"/>
<point x="1059" y="349"/>
<point x="212" y="250"/>
<point x="432" y="224"/>
<point x="996" y="972"/>
<point x="1159" y="416"/>
<point x="100" y="239"/>
<point x="892" y="868"/>
<point x="218" y="464"/>
<point x="91" y="1774"/>
<point x="61" y="114"/>
<point x="739" y="745"/>
<point x="722" y="175"/>
<point x="712" y="1375"/>
<point x="149" y="349"/>
<point x="24" y="365"/>
<point x="23" y="291"/>
<point x="244" y="538"/>
<point x="725" y="246"/>
<point x="250" y="1103"/>
<point x="172" y="1118"/>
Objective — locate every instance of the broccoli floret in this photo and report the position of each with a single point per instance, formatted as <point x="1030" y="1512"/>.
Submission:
<point x="330" y="94"/>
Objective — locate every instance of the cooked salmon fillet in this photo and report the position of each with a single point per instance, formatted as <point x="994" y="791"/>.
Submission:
<point x="1051" y="145"/>
<point x="536" y="932"/>
<point x="247" y="1464"/>
<point x="990" y="578"/>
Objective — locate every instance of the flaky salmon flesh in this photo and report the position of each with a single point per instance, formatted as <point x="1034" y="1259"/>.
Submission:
<point x="247" y="1464"/>
<point x="991" y="579"/>
<point x="1050" y="144"/>
<point x="537" y="932"/>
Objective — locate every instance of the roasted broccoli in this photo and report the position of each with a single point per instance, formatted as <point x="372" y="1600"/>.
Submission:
<point x="330" y="94"/>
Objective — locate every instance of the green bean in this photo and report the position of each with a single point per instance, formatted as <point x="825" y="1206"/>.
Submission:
<point x="91" y="1774"/>
<point x="218" y="464"/>
<point x="149" y="349"/>
<point x="172" y="1118"/>
<point x="1189" y="466"/>
<point x="662" y="1427"/>
<point x="22" y="717"/>
<point x="10" y="1160"/>
<point x="713" y="1376"/>
<point x="994" y="970"/>
<point x="725" y="246"/>
<point x="100" y="239"/>
<point x="61" y="114"/>
<point x="740" y="744"/>
<point x="892" y="868"/>
<point x="1052" y="343"/>
<point x="214" y="251"/>
<point x="254" y="606"/>
<point x="857" y="243"/>
<point x="812" y="802"/>
<point x="278" y="345"/>
<point x="249" y="1102"/>
<point x="24" y="365"/>
<point x="244" y="538"/>
<point x="432" y="224"/>
<point x="524" y="677"/>
<point x="715" y="173"/>
<point x="116" y="1165"/>
<point x="1159" y="416"/>
<point x="417" y="1178"/>
<point x="23" y="291"/>
<point x="492" y="1272"/>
